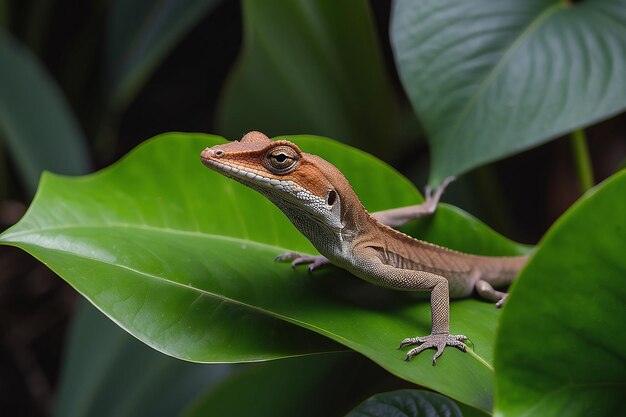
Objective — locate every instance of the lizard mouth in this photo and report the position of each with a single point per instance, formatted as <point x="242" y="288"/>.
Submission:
<point x="244" y="174"/>
<point x="255" y="179"/>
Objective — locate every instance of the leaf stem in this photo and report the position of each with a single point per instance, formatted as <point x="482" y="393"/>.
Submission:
<point x="578" y="141"/>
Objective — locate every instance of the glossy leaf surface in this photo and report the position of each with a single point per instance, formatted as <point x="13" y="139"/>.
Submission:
<point x="565" y="355"/>
<point x="488" y="79"/>
<point x="35" y="119"/>
<point x="310" y="66"/>
<point x="182" y="258"/>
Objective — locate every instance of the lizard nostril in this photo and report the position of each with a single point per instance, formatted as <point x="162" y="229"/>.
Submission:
<point x="219" y="153"/>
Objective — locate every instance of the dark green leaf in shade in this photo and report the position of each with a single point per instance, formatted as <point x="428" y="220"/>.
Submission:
<point x="488" y="79"/>
<point x="35" y="119"/>
<point x="407" y="403"/>
<point x="305" y="387"/>
<point x="314" y="67"/>
<point x="182" y="258"/>
<point x="560" y="348"/>
<point x="140" y="33"/>
<point x="109" y="373"/>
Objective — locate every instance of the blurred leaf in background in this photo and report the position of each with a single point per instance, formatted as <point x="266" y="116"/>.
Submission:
<point x="489" y="79"/>
<point x="110" y="373"/>
<point x="140" y="34"/>
<point x="36" y="122"/>
<point x="318" y="385"/>
<point x="410" y="403"/>
<point x="311" y="67"/>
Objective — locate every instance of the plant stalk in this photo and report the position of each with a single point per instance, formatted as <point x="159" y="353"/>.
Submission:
<point x="582" y="160"/>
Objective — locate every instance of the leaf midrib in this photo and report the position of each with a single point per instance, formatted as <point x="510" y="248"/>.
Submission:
<point x="201" y="291"/>
<point x="497" y="69"/>
<point x="8" y="237"/>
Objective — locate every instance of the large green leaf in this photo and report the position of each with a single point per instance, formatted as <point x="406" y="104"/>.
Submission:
<point x="560" y="349"/>
<point x="182" y="258"/>
<point x="160" y="212"/>
<point x="110" y="373"/>
<point x="35" y="119"/>
<point x="140" y="33"/>
<point x="488" y="79"/>
<point x="310" y="66"/>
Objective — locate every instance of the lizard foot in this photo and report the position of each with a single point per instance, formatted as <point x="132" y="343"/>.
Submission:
<point x="431" y="200"/>
<point x="437" y="341"/>
<point x="298" y="259"/>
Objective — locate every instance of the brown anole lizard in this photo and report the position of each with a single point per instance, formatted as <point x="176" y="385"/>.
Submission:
<point x="320" y="202"/>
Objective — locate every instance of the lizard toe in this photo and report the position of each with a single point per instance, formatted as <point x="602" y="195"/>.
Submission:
<point x="500" y="302"/>
<point x="299" y="259"/>
<point x="412" y="341"/>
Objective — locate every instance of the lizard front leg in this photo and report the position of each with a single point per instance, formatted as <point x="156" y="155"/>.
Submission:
<point x="378" y="272"/>
<point x="393" y="218"/>
<point x="398" y="216"/>
<point x="297" y="259"/>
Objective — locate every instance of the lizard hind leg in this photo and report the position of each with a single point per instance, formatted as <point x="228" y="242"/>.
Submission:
<point x="486" y="291"/>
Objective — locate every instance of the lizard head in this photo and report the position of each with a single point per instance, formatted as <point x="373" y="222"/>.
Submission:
<point x="293" y="180"/>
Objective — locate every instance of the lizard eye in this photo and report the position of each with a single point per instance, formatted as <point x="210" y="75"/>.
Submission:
<point x="281" y="159"/>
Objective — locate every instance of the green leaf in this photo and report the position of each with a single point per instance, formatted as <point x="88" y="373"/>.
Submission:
<point x="407" y="403"/>
<point x="182" y="258"/>
<point x="311" y="67"/>
<point x="560" y="349"/>
<point x="488" y="79"/>
<point x="140" y="33"/>
<point x="37" y="124"/>
<point x="110" y="373"/>
<point x="141" y="245"/>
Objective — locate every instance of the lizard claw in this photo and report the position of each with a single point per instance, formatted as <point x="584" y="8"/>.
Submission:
<point x="298" y="259"/>
<point x="436" y="341"/>
<point x="501" y="301"/>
